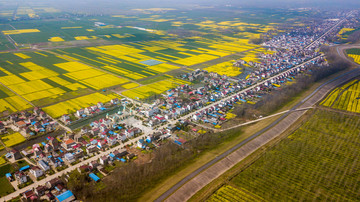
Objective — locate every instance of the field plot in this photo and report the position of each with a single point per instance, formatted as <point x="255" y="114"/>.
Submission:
<point x="44" y="78"/>
<point x="317" y="162"/>
<point x="12" y="139"/>
<point x="5" y="186"/>
<point x="152" y="89"/>
<point x="225" y="68"/>
<point x="354" y="53"/>
<point x="71" y="106"/>
<point x="346" y="97"/>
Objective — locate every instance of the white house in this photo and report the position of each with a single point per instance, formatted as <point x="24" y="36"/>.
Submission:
<point x="36" y="172"/>
<point x="43" y="165"/>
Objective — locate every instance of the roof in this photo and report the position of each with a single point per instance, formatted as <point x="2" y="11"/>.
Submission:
<point x="66" y="196"/>
<point x="69" y="141"/>
<point x="24" y="168"/>
<point x="94" y="177"/>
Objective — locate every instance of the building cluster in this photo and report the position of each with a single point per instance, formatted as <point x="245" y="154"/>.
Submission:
<point x="67" y="119"/>
<point x="29" y="123"/>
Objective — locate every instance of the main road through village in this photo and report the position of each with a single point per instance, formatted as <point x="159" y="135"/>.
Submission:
<point x="195" y="181"/>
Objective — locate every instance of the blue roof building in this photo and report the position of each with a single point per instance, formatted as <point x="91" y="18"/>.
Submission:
<point x="94" y="177"/>
<point x="24" y="168"/>
<point x="65" y="197"/>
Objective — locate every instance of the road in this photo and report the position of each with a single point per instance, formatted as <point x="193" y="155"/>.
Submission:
<point x="337" y="24"/>
<point x="194" y="182"/>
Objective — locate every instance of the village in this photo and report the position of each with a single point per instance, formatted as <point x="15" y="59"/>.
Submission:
<point x="102" y="145"/>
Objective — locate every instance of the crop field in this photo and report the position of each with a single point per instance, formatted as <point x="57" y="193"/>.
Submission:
<point x="12" y="139"/>
<point x="71" y="106"/>
<point x="346" y="97"/>
<point x="5" y="186"/>
<point x="225" y="68"/>
<point x="354" y="53"/>
<point x="44" y="78"/>
<point x="152" y="89"/>
<point x="229" y="193"/>
<point x="318" y="161"/>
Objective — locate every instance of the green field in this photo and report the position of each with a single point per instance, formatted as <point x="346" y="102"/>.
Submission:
<point x="5" y="186"/>
<point x="319" y="161"/>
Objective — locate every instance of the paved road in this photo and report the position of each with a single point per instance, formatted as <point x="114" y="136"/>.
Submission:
<point x="337" y="24"/>
<point x="192" y="183"/>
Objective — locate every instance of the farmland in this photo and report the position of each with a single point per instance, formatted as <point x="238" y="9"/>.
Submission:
<point x="153" y="89"/>
<point x="70" y="106"/>
<point x="135" y="53"/>
<point x="5" y="186"/>
<point x="345" y="97"/>
<point x="354" y="54"/>
<point x="12" y="139"/>
<point x="316" y="162"/>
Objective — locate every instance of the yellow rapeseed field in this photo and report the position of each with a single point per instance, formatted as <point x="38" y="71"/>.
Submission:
<point x="12" y="139"/>
<point x="71" y="106"/>
<point x="152" y="89"/>
<point x="22" y="55"/>
<point x="130" y="85"/>
<point x="19" y="31"/>
<point x="225" y="68"/>
<point x="56" y="39"/>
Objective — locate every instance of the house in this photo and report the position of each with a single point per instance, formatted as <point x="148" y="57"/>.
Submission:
<point x="30" y="195"/>
<point x="93" y="164"/>
<point x="54" y="143"/>
<point x="121" y="136"/>
<point x="111" y="140"/>
<point x="15" y="154"/>
<point x="65" y="118"/>
<point x="55" y="162"/>
<point x="20" y="177"/>
<point x="49" y="196"/>
<point x="102" y="144"/>
<point x="20" y="124"/>
<point x="69" y="157"/>
<point x="67" y="196"/>
<point x="141" y="144"/>
<point x="40" y="190"/>
<point x="90" y="149"/>
<point x="83" y="168"/>
<point x="104" y="160"/>
<point x="48" y="148"/>
<point x="52" y="183"/>
<point x="79" y="112"/>
<point x="78" y="138"/>
<point x="78" y="153"/>
<point x="36" y="171"/>
<point x="44" y="165"/>
<point x="68" y="144"/>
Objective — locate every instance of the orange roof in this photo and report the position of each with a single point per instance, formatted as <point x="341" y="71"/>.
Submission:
<point x="69" y="141"/>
